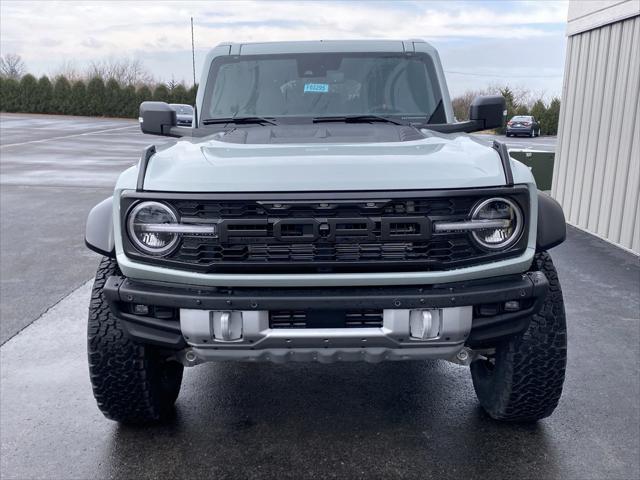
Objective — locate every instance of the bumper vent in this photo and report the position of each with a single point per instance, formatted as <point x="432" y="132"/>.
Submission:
<point x="362" y="318"/>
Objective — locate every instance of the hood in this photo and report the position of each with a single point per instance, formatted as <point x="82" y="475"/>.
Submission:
<point x="323" y="163"/>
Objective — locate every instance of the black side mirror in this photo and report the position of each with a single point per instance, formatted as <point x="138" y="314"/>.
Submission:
<point x="488" y="111"/>
<point x="157" y="118"/>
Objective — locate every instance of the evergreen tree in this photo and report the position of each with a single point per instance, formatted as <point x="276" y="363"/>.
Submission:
<point x="112" y="99"/>
<point x="128" y="102"/>
<point x="45" y="95"/>
<point x="161" y="94"/>
<point x="78" y="100"/>
<point x="539" y="111"/>
<point x="510" y="104"/>
<point x="28" y="99"/>
<point x="143" y="95"/>
<point x="96" y="97"/>
<point x="61" y="102"/>
<point x="10" y="95"/>
<point x="179" y="94"/>
<point x="552" y="117"/>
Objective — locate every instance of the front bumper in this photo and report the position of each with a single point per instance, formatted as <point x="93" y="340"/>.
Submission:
<point x="471" y="317"/>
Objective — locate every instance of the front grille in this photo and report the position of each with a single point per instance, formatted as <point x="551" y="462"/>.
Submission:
<point x="362" y="318"/>
<point x="443" y="249"/>
<point x="341" y="233"/>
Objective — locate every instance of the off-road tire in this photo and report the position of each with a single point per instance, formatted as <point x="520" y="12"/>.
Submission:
<point x="523" y="381"/>
<point x="132" y="383"/>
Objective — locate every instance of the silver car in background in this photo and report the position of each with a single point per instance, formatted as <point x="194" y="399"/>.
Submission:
<point x="184" y="114"/>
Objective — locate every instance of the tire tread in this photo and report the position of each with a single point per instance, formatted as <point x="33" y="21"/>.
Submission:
<point x="124" y="375"/>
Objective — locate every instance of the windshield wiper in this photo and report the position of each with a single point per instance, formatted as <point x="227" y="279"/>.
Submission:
<point x="239" y="120"/>
<point x="357" y="119"/>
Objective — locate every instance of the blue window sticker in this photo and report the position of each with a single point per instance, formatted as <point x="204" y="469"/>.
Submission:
<point x="316" y="87"/>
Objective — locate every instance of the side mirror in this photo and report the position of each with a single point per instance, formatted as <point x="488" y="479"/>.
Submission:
<point x="157" y="118"/>
<point x="488" y="111"/>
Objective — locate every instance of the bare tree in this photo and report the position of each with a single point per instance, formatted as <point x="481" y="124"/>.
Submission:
<point x="12" y="66"/>
<point x="124" y="71"/>
<point x="172" y="84"/>
<point x="462" y="103"/>
<point x="69" y="70"/>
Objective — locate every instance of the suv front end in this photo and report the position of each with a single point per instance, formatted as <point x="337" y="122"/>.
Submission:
<point x="326" y="276"/>
<point x="351" y="237"/>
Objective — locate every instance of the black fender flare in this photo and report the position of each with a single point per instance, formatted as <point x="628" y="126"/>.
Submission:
<point x="552" y="226"/>
<point x="99" y="231"/>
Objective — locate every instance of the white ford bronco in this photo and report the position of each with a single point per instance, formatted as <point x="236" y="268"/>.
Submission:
<point x="325" y="206"/>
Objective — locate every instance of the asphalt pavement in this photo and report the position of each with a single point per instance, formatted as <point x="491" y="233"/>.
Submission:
<point x="543" y="144"/>
<point x="390" y="420"/>
<point x="53" y="170"/>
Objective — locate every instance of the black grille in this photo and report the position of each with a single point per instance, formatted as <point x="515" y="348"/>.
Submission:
<point x="362" y="318"/>
<point x="340" y="233"/>
<point x="442" y="249"/>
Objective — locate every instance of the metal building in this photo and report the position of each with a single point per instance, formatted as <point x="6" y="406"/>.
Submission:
<point x="596" y="174"/>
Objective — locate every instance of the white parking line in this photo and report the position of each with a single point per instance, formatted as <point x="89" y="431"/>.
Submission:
<point x="44" y="140"/>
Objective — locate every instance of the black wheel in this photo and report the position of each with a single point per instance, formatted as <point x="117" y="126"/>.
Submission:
<point x="508" y="134"/>
<point x="523" y="381"/>
<point x="132" y="383"/>
<point x="533" y="133"/>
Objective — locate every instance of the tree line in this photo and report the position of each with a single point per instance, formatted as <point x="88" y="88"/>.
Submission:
<point x="519" y="102"/>
<point x="93" y="97"/>
<point x="116" y="87"/>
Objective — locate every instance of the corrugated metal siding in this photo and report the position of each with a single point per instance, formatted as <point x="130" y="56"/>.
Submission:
<point x="596" y="175"/>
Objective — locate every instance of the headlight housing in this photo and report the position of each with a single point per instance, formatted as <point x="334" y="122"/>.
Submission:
<point x="498" y="209"/>
<point x="142" y="227"/>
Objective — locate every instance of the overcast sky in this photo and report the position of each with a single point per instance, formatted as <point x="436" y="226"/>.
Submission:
<point x="481" y="43"/>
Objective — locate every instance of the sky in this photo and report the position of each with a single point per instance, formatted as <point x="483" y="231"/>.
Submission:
<point x="481" y="43"/>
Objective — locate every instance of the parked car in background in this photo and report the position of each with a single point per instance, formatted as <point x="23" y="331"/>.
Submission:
<point x="523" y="125"/>
<point x="184" y="114"/>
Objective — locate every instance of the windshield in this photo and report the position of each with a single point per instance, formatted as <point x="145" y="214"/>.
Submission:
<point x="521" y="118"/>
<point x="182" y="109"/>
<point x="322" y="85"/>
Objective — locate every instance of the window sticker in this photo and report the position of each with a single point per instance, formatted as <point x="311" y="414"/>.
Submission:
<point x="316" y="88"/>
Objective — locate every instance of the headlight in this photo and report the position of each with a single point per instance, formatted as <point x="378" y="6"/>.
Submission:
<point x="145" y="229"/>
<point x="497" y="210"/>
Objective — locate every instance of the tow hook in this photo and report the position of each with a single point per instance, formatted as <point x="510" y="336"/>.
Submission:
<point x="464" y="357"/>
<point x="189" y="358"/>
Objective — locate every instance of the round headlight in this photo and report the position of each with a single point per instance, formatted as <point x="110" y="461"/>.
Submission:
<point x="498" y="209"/>
<point x="140" y="225"/>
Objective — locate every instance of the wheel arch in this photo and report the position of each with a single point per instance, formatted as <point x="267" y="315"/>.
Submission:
<point x="99" y="230"/>
<point x="552" y="227"/>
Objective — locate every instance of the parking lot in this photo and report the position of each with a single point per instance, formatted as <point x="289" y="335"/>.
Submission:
<point x="390" y="420"/>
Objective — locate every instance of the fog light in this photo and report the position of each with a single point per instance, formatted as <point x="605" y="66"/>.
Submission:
<point x="512" y="305"/>
<point x="425" y="324"/>
<point x="141" y="309"/>
<point x="227" y="326"/>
